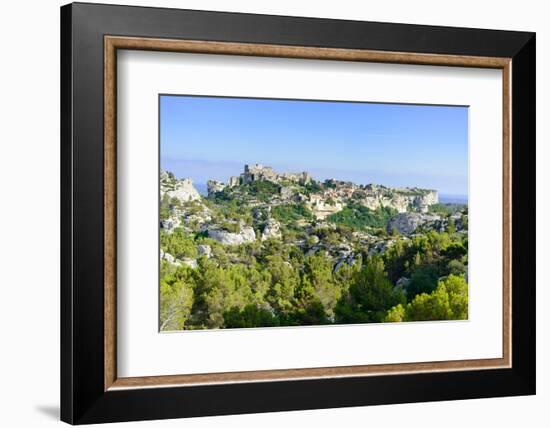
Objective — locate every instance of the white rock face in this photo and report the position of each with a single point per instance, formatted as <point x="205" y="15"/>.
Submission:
<point x="407" y="223"/>
<point x="169" y="258"/>
<point x="214" y="186"/>
<point x="286" y="193"/>
<point x="184" y="191"/>
<point x="402" y="202"/>
<point x="192" y="263"/>
<point x="372" y="197"/>
<point x="398" y="202"/>
<point x="224" y="237"/>
<point x="423" y="202"/>
<point x="169" y="224"/>
<point x="431" y="198"/>
<point x="180" y="189"/>
<point x="165" y="177"/>
<point x="272" y="230"/>
<point x="321" y="208"/>
<point x="233" y="181"/>
<point x="204" y="250"/>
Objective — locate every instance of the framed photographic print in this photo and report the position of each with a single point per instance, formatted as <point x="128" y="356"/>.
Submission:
<point x="266" y="213"/>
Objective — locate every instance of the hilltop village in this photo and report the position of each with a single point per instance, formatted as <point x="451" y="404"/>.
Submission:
<point x="278" y="231"/>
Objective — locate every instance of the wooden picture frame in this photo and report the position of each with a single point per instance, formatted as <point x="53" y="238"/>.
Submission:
<point x="91" y="390"/>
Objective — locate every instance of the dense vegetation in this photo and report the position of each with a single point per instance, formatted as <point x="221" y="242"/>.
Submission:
<point x="255" y="285"/>
<point x="360" y="217"/>
<point x="308" y="270"/>
<point x="447" y="209"/>
<point x="291" y="212"/>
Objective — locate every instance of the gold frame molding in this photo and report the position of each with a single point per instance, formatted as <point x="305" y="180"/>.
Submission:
<point x="113" y="43"/>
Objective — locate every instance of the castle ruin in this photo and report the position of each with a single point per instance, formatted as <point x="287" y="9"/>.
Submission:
<point x="259" y="172"/>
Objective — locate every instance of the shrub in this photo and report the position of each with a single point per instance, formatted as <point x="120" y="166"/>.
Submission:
<point x="449" y="301"/>
<point x="359" y="217"/>
<point x="178" y="244"/>
<point x="423" y="280"/>
<point x="250" y="316"/>
<point x="291" y="212"/>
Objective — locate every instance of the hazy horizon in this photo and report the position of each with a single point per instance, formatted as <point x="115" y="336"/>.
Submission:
<point x="395" y="145"/>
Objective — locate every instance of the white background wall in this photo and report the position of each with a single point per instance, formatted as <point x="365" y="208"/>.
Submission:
<point x="29" y="213"/>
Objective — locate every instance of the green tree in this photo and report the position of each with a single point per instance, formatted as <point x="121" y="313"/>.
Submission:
<point x="464" y="221"/>
<point x="457" y="289"/>
<point x="291" y="213"/>
<point x="359" y="217"/>
<point x="165" y="207"/>
<point x="395" y="314"/>
<point x="429" y="307"/>
<point x="284" y="282"/>
<point x="178" y="243"/>
<point x="249" y="316"/>
<point x="370" y="296"/>
<point x="451" y="226"/>
<point x="456" y="267"/>
<point x="312" y="313"/>
<point x="423" y="280"/>
<point x="318" y="273"/>
<point x="455" y="251"/>
<point x="176" y="297"/>
<point x="262" y="190"/>
<point x="217" y="291"/>
<point x="395" y="258"/>
<point x="449" y="301"/>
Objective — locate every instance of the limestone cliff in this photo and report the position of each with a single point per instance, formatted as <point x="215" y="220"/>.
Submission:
<point x="328" y="197"/>
<point x="407" y="223"/>
<point x="183" y="189"/>
<point x="245" y="234"/>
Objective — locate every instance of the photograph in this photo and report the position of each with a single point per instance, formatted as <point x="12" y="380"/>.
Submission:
<point x="284" y="212"/>
<point x="273" y="211"/>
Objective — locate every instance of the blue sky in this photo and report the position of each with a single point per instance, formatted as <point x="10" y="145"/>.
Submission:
<point x="392" y="144"/>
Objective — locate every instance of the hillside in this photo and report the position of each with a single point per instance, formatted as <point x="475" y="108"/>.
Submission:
<point x="285" y="249"/>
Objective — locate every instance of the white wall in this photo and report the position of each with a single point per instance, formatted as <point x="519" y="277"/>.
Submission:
<point x="29" y="241"/>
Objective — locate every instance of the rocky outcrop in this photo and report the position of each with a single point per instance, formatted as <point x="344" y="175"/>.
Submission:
<point x="401" y="201"/>
<point x="167" y="179"/>
<point x="272" y="229"/>
<point x="380" y="247"/>
<point x="169" y="224"/>
<point x="259" y="172"/>
<point x="204" y="250"/>
<point x="423" y="201"/>
<point x="341" y="262"/>
<point x="169" y="258"/>
<point x="286" y="193"/>
<point x="213" y="187"/>
<point x="407" y="223"/>
<point x="246" y="234"/>
<point x="183" y="189"/>
<point x="322" y="208"/>
<point x="233" y="181"/>
<point x="332" y="195"/>
<point x="192" y="263"/>
<point x="375" y="196"/>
